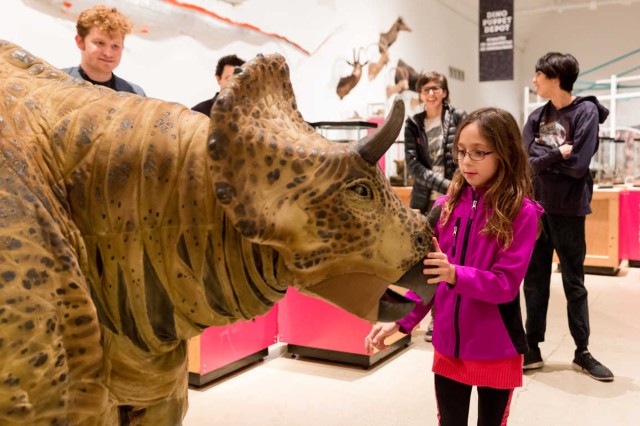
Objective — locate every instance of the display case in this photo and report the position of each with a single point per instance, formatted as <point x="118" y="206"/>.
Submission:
<point x="609" y="164"/>
<point x="343" y="131"/>
<point x="348" y="131"/>
<point x="635" y="166"/>
<point x="604" y="162"/>
<point x="397" y="170"/>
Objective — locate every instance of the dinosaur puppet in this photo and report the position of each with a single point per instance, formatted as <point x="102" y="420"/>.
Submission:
<point x="129" y="224"/>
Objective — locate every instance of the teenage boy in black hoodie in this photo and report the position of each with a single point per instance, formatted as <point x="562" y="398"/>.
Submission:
<point x="561" y="137"/>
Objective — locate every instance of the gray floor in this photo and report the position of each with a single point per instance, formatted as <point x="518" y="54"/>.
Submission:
<point x="399" y="391"/>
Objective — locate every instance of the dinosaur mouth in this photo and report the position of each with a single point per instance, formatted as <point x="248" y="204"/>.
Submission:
<point x="370" y="297"/>
<point x="394" y="305"/>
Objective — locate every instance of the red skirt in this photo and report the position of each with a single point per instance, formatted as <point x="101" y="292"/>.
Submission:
<point x="503" y="373"/>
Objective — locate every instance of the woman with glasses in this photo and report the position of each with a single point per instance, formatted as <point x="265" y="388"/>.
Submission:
<point x="428" y="142"/>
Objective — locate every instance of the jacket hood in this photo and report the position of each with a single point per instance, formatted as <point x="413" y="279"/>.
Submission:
<point x="603" y="112"/>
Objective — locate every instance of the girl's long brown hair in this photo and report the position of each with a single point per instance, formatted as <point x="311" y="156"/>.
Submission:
<point x="512" y="181"/>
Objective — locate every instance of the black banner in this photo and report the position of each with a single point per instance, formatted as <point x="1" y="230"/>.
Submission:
<point x="496" y="40"/>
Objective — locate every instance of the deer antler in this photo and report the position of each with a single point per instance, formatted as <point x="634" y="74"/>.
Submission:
<point x="346" y="84"/>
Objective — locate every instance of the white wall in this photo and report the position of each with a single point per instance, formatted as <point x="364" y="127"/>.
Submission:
<point x="594" y="37"/>
<point x="179" y="67"/>
<point x="175" y="59"/>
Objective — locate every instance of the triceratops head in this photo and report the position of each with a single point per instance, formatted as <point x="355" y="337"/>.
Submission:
<point x="326" y="207"/>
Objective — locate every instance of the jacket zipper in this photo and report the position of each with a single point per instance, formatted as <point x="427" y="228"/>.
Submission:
<point x="455" y="237"/>
<point x="463" y="254"/>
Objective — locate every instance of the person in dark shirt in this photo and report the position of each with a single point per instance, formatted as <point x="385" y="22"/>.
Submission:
<point x="561" y="137"/>
<point x="224" y="69"/>
<point x="100" y="37"/>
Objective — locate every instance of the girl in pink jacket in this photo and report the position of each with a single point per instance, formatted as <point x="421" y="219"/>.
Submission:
<point x="483" y="243"/>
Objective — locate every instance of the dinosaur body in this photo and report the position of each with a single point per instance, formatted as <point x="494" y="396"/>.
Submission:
<point x="128" y="225"/>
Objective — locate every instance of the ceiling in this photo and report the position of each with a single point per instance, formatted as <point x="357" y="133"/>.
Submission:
<point x="528" y="13"/>
<point x="527" y="7"/>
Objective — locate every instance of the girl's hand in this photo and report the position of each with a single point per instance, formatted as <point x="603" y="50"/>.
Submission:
<point x="379" y="332"/>
<point x="440" y="266"/>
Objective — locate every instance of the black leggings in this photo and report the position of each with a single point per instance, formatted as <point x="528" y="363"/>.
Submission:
<point x="453" y="400"/>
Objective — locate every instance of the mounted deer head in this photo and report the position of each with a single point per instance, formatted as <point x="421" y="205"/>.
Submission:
<point x="388" y="38"/>
<point x="347" y="83"/>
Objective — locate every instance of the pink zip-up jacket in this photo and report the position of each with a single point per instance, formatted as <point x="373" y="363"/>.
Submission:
<point x="479" y="317"/>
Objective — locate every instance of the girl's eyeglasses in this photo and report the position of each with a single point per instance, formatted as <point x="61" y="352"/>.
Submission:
<point x="475" y="155"/>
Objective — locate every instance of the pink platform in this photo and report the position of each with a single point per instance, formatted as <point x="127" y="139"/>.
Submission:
<point x="317" y="329"/>
<point x="629" y="233"/>
<point x="306" y="321"/>
<point x="229" y="348"/>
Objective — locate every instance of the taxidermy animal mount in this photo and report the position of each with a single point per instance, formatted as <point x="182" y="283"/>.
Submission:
<point x="374" y="68"/>
<point x="346" y="84"/>
<point x="385" y="41"/>
<point x="388" y="38"/>
<point x="128" y="225"/>
<point x="405" y="79"/>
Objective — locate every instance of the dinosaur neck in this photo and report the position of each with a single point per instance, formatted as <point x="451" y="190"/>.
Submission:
<point x="164" y="262"/>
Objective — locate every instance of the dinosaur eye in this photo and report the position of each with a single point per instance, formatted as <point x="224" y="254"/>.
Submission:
<point x="362" y="190"/>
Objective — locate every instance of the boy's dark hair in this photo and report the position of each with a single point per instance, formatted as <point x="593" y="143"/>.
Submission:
<point x="563" y="66"/>
<point x="433" y="77"/>
<point x="232" y="60"/>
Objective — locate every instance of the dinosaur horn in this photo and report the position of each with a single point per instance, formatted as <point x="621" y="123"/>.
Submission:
<point x="372" y="147"/>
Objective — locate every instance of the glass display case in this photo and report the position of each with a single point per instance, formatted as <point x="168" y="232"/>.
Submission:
<point x="343" y="131"/>
<point x="620" y="168"/>
<point x="603" y="164"/>
<point x="348" y="131"/>
<point x="397" y="169"/>
<point x="635" y="176"/>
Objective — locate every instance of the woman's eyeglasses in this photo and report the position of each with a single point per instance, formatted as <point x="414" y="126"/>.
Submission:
<point x="434" y="89"/>
<point x="475" y="155"/>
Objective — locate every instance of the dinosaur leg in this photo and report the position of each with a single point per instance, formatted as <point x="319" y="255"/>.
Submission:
<point x="149" y="388"/>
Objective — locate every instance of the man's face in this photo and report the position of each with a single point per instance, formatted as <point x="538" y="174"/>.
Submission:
<point x="227" y="71"/>
<point x="101" y="53"/>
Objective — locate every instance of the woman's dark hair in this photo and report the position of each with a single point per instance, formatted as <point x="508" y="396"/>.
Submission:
<point x="563" y="66"/>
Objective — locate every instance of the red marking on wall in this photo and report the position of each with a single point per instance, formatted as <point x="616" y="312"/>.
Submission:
<point x="237" y="24"/>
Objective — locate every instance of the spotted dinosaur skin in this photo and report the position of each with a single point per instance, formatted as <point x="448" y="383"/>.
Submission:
<point x="129" y="224"/>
